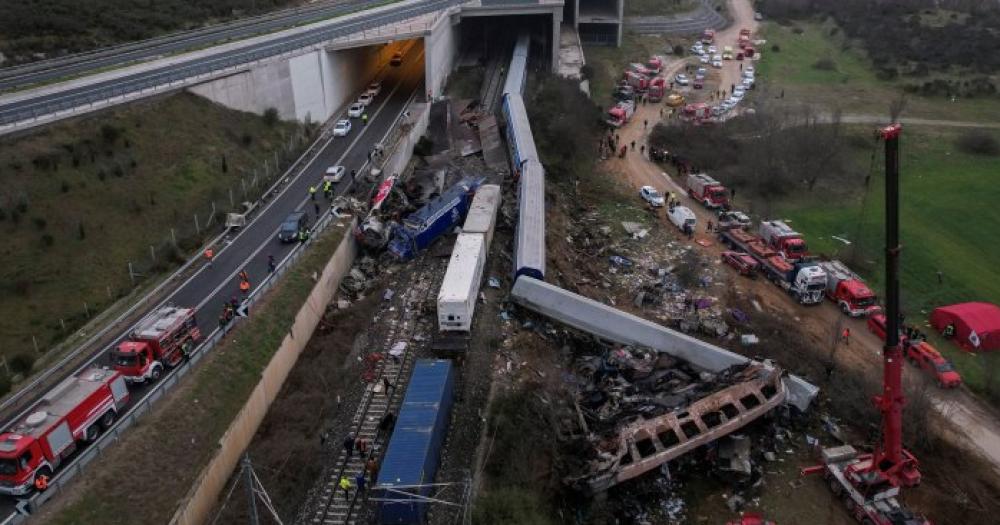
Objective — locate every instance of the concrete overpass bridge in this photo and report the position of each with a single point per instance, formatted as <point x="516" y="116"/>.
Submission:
<point x="308" y="72"/>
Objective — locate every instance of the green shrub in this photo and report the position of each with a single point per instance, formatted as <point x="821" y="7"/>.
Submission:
<point x="978" y="142"/>
<point x="21" y="363"/>
<point x="271" y="117"/>
<point x="825" y="64"/>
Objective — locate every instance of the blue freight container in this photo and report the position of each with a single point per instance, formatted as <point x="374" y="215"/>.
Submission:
<point x="414" y="451"/>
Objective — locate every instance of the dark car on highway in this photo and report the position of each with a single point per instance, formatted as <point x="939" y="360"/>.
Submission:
<point x="289" y="229"/>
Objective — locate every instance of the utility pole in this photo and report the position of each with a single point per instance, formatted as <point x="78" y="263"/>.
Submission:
<point x="248" y="482"/>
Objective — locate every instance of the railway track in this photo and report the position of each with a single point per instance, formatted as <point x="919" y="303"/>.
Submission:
<point x="492" y="85"/>
<point x="403" y="319"/>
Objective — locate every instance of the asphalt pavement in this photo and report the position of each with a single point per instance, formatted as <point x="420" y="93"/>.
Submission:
<point x="100" y="59"/>
<point x="78" y="96"/>
<point x="248" y="250"/>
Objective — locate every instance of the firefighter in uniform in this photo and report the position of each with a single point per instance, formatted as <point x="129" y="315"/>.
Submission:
<point x="41" y="482"/>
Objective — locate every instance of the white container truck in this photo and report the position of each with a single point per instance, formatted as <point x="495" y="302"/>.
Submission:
<point x="482" y="217"/>
<point x="457" y="297"/>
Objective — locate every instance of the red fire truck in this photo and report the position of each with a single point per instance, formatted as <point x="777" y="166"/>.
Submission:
<point x="75" y="411"/>
<point x="161" y="340"/>
<point x="786" y="241"/>
<point x="708" y="191"/>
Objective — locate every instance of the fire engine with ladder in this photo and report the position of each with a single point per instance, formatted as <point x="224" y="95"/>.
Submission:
<point x="73" y="413"/>
<point x="868" y="483"/>
<point x="160" y="341"/>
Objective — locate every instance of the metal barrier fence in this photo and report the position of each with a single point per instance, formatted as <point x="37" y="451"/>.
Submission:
<point x="172" y="77"/>
<point x="110" y="437"/>
<point x="145" y="404"/>
<point x="277" y="179"/>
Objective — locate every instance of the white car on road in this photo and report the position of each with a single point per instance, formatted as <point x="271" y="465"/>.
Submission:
<point x="375" y="88"/>
<point x="653" y="197"/>
<point x="365" y="98"/>
<point x="682" y="80"/>
<point x="342" y="128"/>
<point x="716" y="58"/>
<point x="712" y="50"/>
<point x="334" y="173"/>
<point x="717" y="64"/>
<point x="356" y="110"/>
<point x="738" y="93"/>
<point x="747" y="82"/>
<point x="704" y="59"/>
<point x="749" y="71"/>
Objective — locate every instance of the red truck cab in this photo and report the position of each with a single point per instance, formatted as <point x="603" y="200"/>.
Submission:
<point x="75" y="411"/>
<point x="657" y="88"/>
<point x="925" y="356"/>
<point x="854" y="298"/>
<point x="786" y="241"/>
<point x="638" y="81"/>
<point x="654" y="65"/>
<point x="744" y="39"/>
<point x="708" y="191"/>
<point x="161" y="340"/>
<point x="848" y="290"/>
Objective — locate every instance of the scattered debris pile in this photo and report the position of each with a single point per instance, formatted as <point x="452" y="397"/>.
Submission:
<point x="665" y="278"/>
<point x="636" y="409"/>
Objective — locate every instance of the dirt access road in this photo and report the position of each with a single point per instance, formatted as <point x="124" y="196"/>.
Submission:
<point x="967" y="420"/>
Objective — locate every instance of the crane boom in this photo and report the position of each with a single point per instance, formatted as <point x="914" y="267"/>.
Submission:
<point x="891" y="460"/>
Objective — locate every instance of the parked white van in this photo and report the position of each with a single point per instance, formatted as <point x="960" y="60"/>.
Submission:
<point x="682" y="216"/>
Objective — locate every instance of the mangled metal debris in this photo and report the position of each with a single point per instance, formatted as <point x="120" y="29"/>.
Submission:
<point x="640" y="409"/>
<point x="611" y="324"/>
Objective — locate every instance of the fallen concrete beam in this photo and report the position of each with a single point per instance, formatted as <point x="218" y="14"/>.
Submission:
<point x="621" y="327"/>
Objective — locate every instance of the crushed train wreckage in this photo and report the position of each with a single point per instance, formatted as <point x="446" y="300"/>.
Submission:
<point x="661" y="395"/>
<point x="639" y="409"/>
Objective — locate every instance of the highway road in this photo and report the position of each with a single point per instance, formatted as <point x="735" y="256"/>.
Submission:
<point x="209" y="288"/>
<point x="18" y="77"/>
<point x="77" y="96"/>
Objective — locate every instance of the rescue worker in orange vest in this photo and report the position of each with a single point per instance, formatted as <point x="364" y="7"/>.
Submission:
<point x="846" y="336"/>
<point x="209" y="255"/>
<point x="245" y="287"/>
<point x="244" y="276"/>
<point x="41" y="482"/>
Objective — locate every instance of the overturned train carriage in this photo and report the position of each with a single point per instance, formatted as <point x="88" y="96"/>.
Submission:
<point x="517" y="72"/>
<point x="529" y="247"/>
<point x="644" y="444"/>
<point x="752" y="388"/>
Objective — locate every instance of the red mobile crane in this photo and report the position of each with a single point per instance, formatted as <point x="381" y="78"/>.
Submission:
<point x="869" y="483"/>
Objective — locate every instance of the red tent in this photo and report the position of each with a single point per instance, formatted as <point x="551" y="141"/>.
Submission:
<point x="976" y="325"/>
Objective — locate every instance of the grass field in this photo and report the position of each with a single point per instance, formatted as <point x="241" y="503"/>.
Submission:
<point x="81" y="199"/>
<point x="948" y="219"/>
<point x="852" y="84"/>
